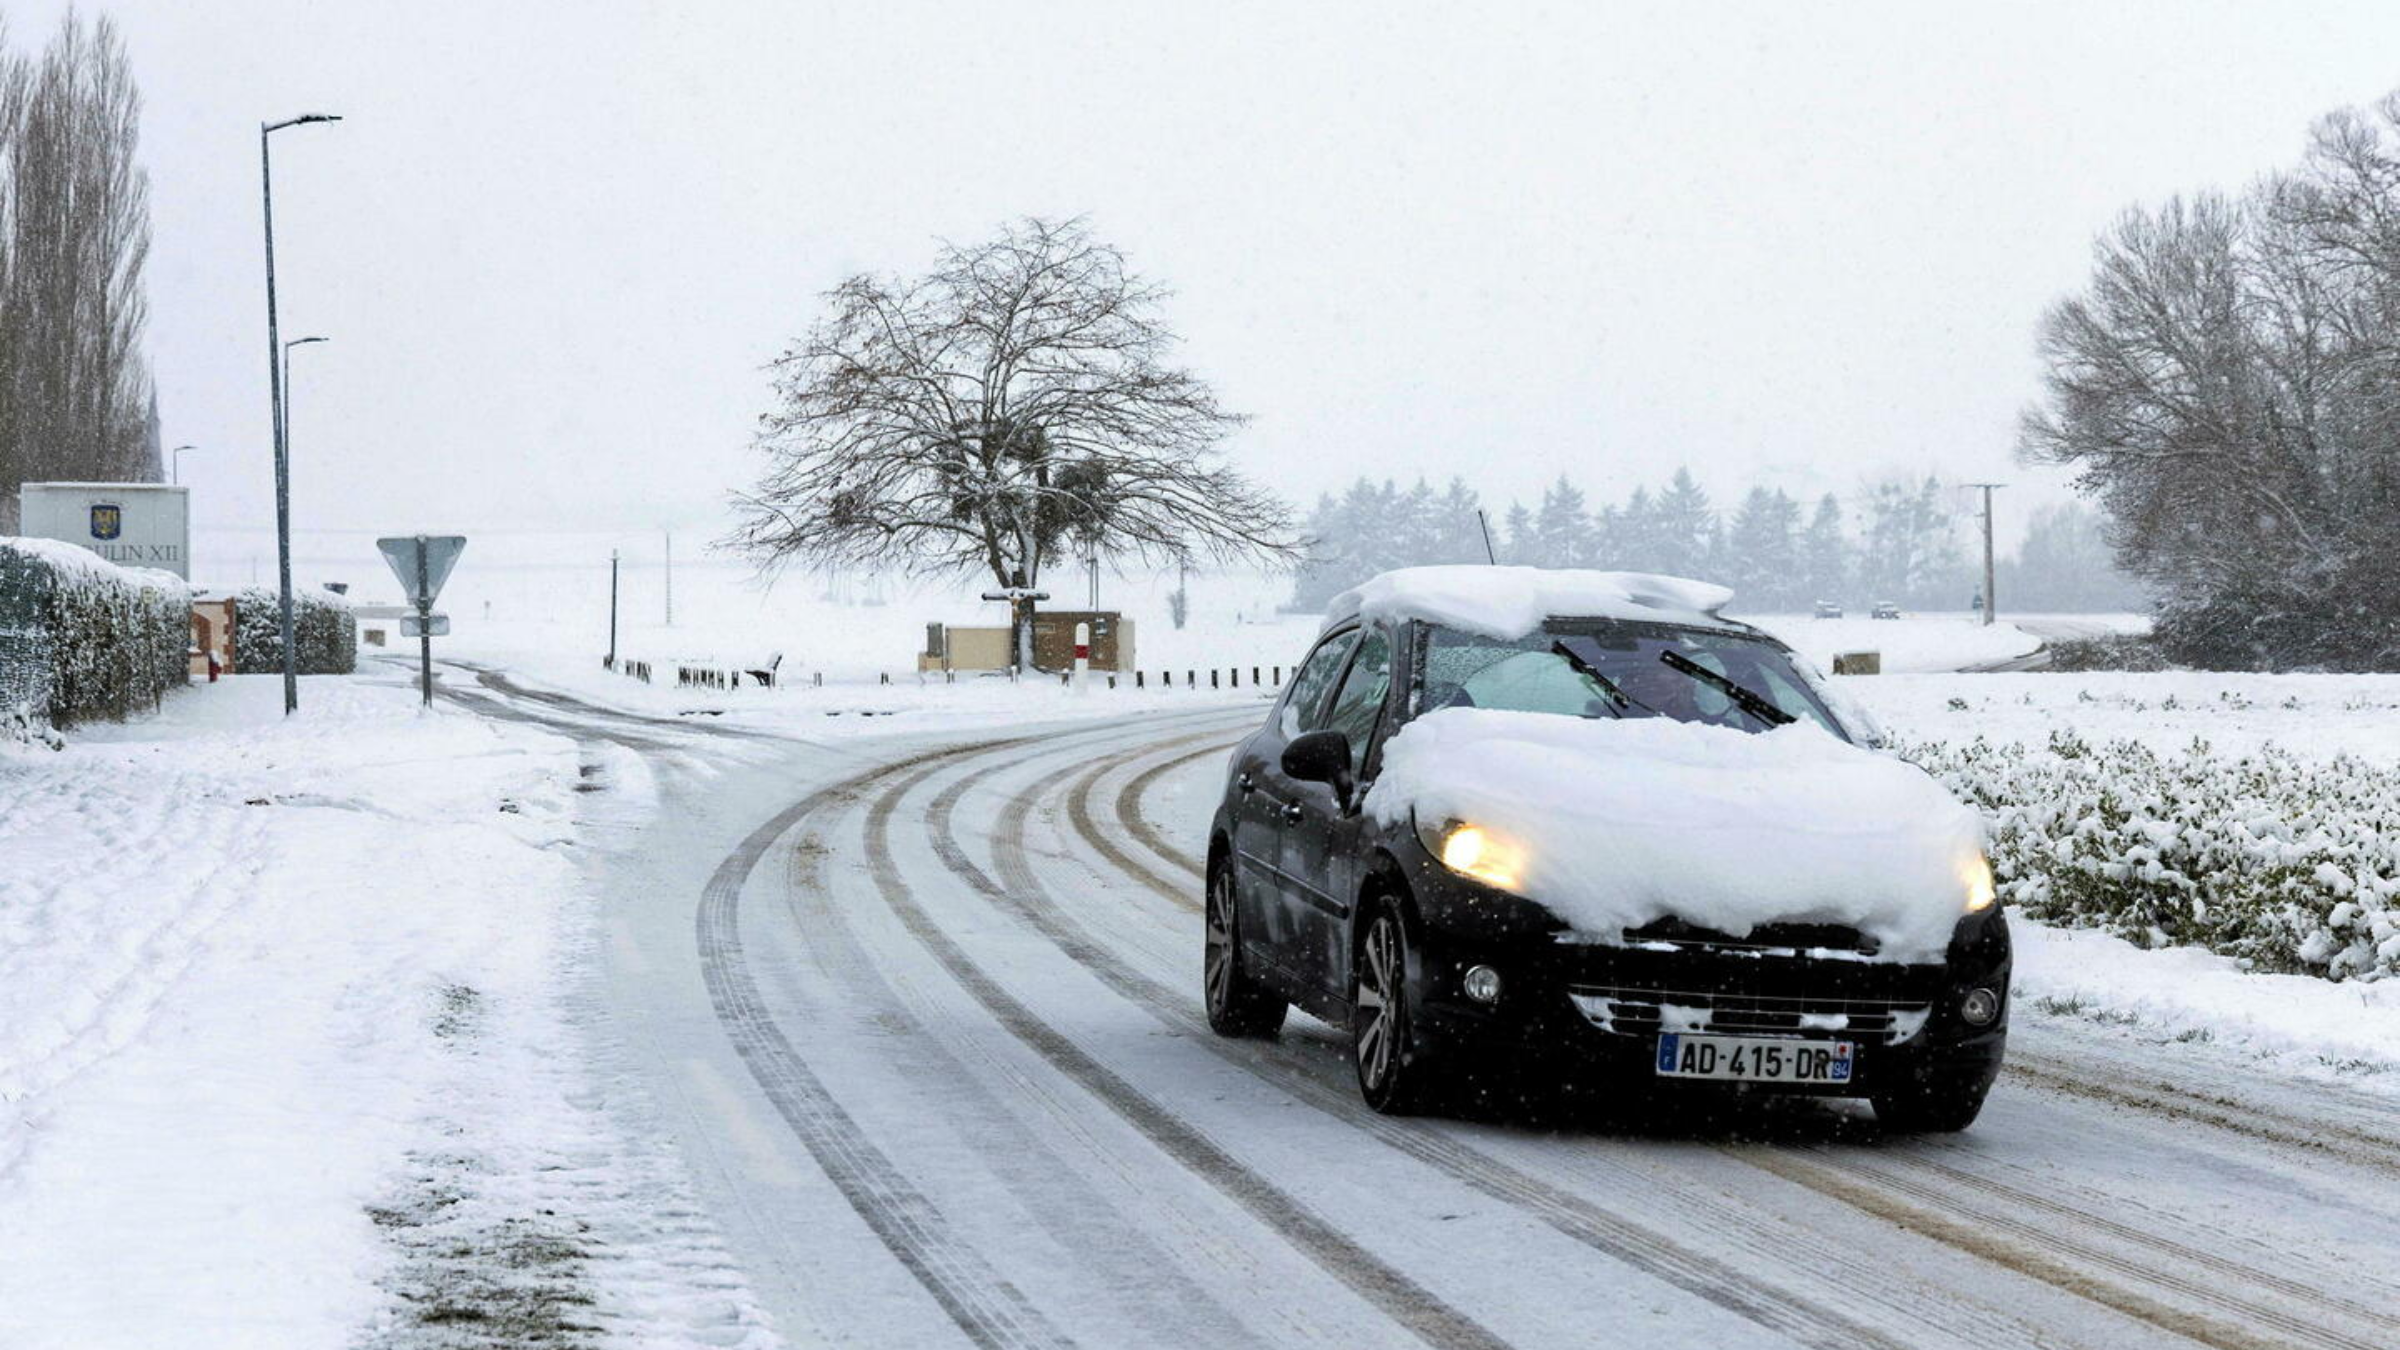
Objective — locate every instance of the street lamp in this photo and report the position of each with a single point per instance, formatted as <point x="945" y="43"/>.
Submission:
<point x="275" y="359"/>
<point x="175" y="467"/>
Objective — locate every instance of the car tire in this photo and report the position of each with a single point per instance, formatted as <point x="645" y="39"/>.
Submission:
<point x="1238" y="1005"/>
<point x="1929" y="1108"/>
<point x="1394" y="1076"/>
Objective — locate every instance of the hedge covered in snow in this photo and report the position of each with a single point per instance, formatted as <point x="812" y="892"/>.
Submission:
<point x="322" y="628"/>
<point x="2288" y="862"/>
<point x="82" y="639"/>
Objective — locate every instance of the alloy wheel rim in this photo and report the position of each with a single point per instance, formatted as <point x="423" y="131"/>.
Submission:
<point x="1220" y="941"/>
<point x="1378" y="995"/>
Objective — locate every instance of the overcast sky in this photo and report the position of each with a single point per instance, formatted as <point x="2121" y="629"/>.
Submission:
<point x="554" y="243"/>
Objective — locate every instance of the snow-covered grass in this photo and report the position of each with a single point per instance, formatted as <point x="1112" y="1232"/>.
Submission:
<point x="284" y="1035"/>
<point x="2194" y="997"/>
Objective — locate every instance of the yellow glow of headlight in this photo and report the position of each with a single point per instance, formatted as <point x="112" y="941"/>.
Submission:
<point x="1470" y="850"/>
<point x="1975" y="872"/>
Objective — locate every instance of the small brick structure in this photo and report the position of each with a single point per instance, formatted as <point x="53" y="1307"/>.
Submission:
<point x="212" y="635"/>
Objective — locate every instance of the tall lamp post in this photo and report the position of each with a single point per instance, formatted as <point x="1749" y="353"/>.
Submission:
<point x="275" y="359"/>
<point x="175" y="466"/>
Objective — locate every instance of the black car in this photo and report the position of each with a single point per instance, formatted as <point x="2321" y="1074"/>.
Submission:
<point x="1388" y="930"/>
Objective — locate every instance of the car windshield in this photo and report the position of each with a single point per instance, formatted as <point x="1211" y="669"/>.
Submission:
<point x="1608" y="668"/>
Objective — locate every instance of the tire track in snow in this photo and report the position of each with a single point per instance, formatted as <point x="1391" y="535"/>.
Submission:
<point x="986" y="1307"/>
<point x="1571" y="1215"/>
<point x="2045" y="1254"/>
<point x="1957" y="1183"/>
<point x="1382" y="1285"/>
<point x="1173" y="1307"/>
<point x="2255" y="1119"/>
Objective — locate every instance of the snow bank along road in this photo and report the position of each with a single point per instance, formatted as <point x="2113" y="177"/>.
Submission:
<point x="926" y="1017"/>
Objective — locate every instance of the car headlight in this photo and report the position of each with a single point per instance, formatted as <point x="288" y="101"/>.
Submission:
<point x="1975" y="873"/>
<point x="1472" y="850"/>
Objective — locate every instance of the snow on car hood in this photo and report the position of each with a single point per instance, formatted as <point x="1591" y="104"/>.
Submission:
<point x="1614" y="824"/>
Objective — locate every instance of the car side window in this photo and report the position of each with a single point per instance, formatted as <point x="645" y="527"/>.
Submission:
<point x="1304" y="701"/>
<point x="1356" y="708"/>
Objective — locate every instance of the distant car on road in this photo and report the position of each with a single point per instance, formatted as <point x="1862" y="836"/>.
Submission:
<point x="1593" y="848"/>
<point x="1826" y="609"/>
<point x="1885" y="609"/>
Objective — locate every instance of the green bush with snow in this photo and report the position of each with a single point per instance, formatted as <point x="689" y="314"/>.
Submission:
<point x="2288" y="862"/>
<point x="323" y="629"/>
<point x="82" y="639"/>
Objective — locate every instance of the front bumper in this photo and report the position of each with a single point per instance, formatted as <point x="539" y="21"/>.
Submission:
<point x="1579" y="1013"/>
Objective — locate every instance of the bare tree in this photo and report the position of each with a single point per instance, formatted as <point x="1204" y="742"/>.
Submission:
<point x="1010" y="407"/>
<point x="75" y="393"/>
<point x="2229" y="387"/>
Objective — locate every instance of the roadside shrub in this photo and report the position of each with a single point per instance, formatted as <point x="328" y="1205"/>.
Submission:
<point x="322" y="628"/>
<point x="2345" y="622"/>
<point x="82" y="639"/>
<point x="2115" y="651"/>
<point x="2289" y="863"/>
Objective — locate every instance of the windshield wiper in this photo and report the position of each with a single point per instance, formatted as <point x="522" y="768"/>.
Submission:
<point x="1749" y="702"/>
<point x="1619" y="700"/>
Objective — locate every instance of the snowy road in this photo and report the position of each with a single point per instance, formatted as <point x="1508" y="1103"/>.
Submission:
<point x="925" y="1015"/>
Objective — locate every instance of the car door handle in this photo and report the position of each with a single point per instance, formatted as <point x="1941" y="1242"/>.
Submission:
<point x="1292" y="814"/>
<point x="1246" y="784"/>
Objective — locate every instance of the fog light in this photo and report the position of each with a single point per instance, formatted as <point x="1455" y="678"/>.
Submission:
<point x="1979" y="1007"/>
<point x="1483" y="984"/>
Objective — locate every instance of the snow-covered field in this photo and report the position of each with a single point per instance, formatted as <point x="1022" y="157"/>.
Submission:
<point x="286" y="1055"/>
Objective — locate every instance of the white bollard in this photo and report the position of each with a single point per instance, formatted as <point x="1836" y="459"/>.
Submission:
<point x="1083" y="655"/>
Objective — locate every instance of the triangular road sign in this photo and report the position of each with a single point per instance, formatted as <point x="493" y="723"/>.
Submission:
<point x="440" y="555"/>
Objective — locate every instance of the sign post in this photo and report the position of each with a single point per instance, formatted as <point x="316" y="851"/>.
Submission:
<point x="422" y="563"/>
<point x="1020" y="621"/>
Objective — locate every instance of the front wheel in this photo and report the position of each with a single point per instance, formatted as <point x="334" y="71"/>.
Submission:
<point x="1394" y="1078"/>
<point x="1238" y="1005"/>
<point x="1932" y="1107"/>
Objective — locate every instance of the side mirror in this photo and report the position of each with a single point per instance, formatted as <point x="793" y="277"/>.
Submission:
<point x="1321" y="757"/>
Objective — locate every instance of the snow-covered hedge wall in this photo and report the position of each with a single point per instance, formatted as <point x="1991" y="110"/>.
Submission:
<point x="322" y="628"/>
<point x="82" y="639"/>
<point x="2288" y="862"/>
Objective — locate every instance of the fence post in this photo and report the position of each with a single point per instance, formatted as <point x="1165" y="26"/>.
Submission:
<point x="1137" y="679"/>
<point x="1212" y="677"/>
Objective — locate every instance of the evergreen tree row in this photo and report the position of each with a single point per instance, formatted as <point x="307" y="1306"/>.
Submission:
<point x="1900" y="542"/>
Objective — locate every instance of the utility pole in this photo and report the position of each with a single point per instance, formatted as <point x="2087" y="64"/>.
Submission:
<point x="612" y="609"/>
<point x="670" y="534"/>
<point x="1990" y="601"/>
<point x="1486" y="526"/>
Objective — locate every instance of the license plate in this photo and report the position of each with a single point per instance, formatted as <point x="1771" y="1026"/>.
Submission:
<point x="1750" y="1059"/>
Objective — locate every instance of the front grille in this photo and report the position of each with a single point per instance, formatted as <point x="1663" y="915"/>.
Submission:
<point x="1647" y="1012"/>
<point x="1778" y="939"/>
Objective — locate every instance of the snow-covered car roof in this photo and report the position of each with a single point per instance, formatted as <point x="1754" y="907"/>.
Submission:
<point x="1510" y="602"/>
